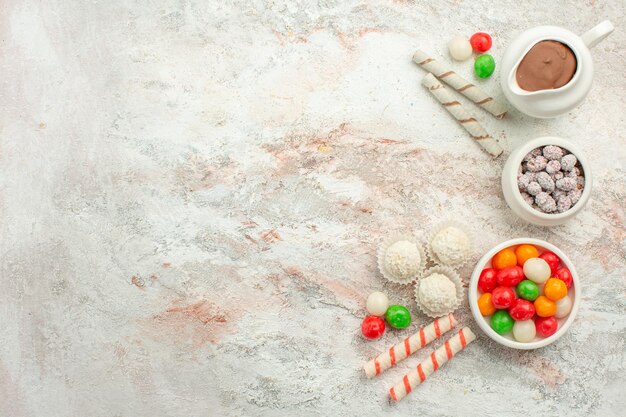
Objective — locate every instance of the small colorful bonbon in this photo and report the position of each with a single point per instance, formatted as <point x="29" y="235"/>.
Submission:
<point x="460" y="48"/>
<point x="502" y="322"/>
<point x="373" y="327"/>
<point x="377" y="304"/>
<point x="537" y="270"/>
<point x="481" y="41"/>
<point x="563" y="307"/>
<point x="546" y="326"/>
<point x="525" y="291"/>
<point x="487" y="280"/>
<point x="485" y="305"/>
<point x="398" y="317"/>
<point x="524" y="331"/>
<point x="522" y="310"/>
<point x="484" y="66"/>
<point x="502" y="297"/>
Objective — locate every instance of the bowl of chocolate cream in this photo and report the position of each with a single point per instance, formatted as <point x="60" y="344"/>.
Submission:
<point x="547" y="70"/>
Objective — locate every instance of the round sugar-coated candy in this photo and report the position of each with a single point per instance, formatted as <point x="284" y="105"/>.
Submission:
<point x="563" y="307"/>
<point x="527" y="290"/>
<point x="487" y="280"/>
<point x="373" y="327"/>
<point x="522" y="310"/>
<point x="398" y="316"/>
<point x="484" y="66"/>
<point x="510" y="276"/>
<point x="524" y="253"/>
<point x="552" y="260"/>
<point x="501" y="322"/>
<point x="524" y="331"/>
<point x="564" y="275"/>
<point x="546" y="326"/>
<point x="460" y="48"/>
<point x="537" y="270"/>
<point x="485" y="305"/>
<point x="545" y="307"/>
<point x="502" y="297"/>
<point x="506" y="257"/>
<point x="377" y="304"/>
<point x="481" y="41"/>
<point x="555" y="289"/>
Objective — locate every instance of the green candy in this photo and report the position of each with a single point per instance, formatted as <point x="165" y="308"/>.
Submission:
<point x="398" y="316"/>
<point x="484" y="66"/>
<point x="527" y="290"/>
<point x="501" y="322"/>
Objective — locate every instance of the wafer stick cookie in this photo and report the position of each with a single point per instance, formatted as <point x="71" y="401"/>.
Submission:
<point x="460" y="84"/>
<point x="454" y="345"/>
<point x="408" y="346"/>
<point x="469" y="123"/>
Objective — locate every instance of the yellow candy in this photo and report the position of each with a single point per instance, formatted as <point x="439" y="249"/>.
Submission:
<point x="485" y="305"/>
<point x="555" y="289"/>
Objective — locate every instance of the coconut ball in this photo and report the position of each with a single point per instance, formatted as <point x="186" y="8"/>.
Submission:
<point x="437" y="293"/>
<point x="403" y="259"/>
<point x="450" y="245"/>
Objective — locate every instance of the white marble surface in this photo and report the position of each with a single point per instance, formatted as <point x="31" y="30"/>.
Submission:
<point x="192" y="192"/>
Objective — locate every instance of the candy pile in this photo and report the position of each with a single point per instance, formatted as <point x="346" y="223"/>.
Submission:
<point x="461" y="49"/>
<point x="550" y="179"/>
<point x="525" y="292"/>
<point x="377" y="305"/>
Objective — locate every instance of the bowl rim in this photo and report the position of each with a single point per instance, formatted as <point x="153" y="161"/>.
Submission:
<point x="563" y="143"/>
<point x="473" y="294"/>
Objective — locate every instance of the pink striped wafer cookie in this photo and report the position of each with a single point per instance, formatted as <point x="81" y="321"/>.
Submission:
<point x="408" y="346"/>
<point x="437" y="358"/>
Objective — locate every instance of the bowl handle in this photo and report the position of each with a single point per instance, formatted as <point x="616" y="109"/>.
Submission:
<point x="596" y="34"/>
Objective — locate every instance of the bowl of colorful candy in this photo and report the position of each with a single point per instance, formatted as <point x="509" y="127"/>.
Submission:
<point x="524" y="293"/>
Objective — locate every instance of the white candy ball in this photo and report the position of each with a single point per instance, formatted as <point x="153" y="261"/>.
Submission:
<point x="377" y="304"/>
<point x="460" y="48"/>
<point x="524" y="331"/>
<point x="537" y="270"/>
<point x="563" y="307"/>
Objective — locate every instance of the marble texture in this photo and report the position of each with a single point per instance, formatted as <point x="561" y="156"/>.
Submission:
<point x="192" y="193"/>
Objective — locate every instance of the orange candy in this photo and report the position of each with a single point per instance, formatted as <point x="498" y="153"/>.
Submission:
<point x="525" y="252"/>
<point x="555" y="289"/>
<point x="506" y="257"/>
<point x="485" y="306"/>
<point x="544" y="307"/>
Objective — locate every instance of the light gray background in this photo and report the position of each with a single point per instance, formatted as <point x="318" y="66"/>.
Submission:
<point x="191" y="195"/>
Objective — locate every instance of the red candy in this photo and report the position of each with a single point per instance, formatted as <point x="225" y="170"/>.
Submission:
<point x="564" y="275"/>
<point x="546" y="326"/>
<point x="552" y="260"/>
<point x="480" y="41"/>
<point x="522" y="310"/>
<point x="502" y="297"/>
<point x="373" y="327"/>
<point x="487" y="280"/>
<point x="510" y="276"/>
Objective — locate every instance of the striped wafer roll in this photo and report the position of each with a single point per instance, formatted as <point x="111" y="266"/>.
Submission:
<point x="460" y="84"/>
<point x="469" y="123"/>
<point x="410" y="345"/>
<point x="436" y="359"/>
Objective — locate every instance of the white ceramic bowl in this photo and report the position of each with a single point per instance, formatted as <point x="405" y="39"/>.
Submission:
<point x="511" y="190"/>
<point x="507" y="340"/>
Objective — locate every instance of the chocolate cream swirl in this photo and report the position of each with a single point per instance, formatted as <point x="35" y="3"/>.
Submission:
<point x="548" y="65"/>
